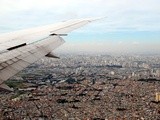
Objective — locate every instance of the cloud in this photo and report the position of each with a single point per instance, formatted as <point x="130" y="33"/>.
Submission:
<point x="135" y="43"/>
<point x="123" y="15"/>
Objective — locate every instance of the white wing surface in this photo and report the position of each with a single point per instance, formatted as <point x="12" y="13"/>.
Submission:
<point x="22" y="48"/>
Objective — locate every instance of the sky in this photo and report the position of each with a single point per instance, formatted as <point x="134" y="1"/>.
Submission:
<point x="130" y="26"/>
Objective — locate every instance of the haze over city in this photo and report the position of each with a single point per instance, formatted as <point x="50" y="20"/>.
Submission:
<point x="129" y="27"/>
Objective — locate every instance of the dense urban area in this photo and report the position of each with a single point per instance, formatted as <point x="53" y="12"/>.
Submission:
<point x="85" y="87"/>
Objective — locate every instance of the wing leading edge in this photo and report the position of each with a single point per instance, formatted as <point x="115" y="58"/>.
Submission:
<point x="22" y="48"/>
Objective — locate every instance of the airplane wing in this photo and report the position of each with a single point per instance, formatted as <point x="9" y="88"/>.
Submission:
<point x="22" y="48"/>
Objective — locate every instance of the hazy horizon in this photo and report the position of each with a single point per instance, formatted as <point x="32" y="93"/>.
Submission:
<point x="110" y="47"/>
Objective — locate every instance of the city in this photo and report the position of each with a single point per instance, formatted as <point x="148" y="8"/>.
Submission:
<point x="87" y="87"/>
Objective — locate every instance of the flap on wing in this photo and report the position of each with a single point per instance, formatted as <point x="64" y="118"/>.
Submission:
<point x="58" y="34"/>
<point x="17" y="46"/>
<point x="52" y="55"/>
